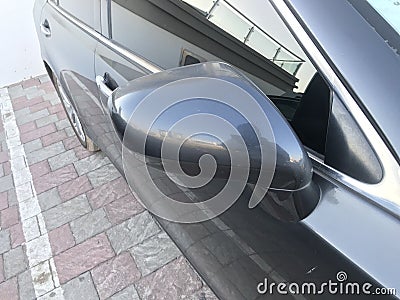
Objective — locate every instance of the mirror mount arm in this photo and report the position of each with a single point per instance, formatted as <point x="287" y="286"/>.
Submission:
<point x="103" y="87"/>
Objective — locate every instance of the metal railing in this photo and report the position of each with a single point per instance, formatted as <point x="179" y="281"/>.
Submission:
<point x="230" y="19"/>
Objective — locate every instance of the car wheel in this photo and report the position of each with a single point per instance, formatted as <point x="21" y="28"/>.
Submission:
<point x="74" y="119"/>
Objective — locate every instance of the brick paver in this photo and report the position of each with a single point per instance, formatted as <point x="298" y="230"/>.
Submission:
<point x="103" y="243"/>
<point x="1" y="269"/>
<point x="83" y="257"/>
<point x="154" y="253"/>
<point x="61" y="239"/>
<point x="115" y="275"/>
<point x="108" y="193"/>
<point x="9" y="289"/>
<point x="40" y="169"/>
<point x="9" y="217"/>
<point x="5" y="243"/>
<point x="3" y="200"/>
<point x="123" y="209"/>
<point x="74" y="188"/>
<point x="16" y="235"/>
<point x="173" y="281"/>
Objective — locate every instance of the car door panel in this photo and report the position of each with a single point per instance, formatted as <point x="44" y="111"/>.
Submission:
<point x="70" y="55"/>
<point x="239" y="249"/>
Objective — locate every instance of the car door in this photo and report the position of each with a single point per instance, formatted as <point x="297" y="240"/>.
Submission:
<point x="239" y="249"/>
<point x="69" y="29"/>
<point x="114" y="66"/>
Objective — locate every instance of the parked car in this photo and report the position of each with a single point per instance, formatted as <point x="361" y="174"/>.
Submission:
<point x="325" y="74"/>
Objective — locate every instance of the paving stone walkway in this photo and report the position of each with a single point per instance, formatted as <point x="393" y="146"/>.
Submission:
<point x="69" y="226"/>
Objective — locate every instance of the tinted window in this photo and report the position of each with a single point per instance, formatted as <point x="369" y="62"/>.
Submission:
<point x="260" y="30"/>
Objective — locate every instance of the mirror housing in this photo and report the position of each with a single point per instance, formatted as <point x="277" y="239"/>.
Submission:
<point x="291" y="194"/>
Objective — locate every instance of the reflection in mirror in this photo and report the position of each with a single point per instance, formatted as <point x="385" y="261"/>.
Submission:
<point x="238" y="24"/>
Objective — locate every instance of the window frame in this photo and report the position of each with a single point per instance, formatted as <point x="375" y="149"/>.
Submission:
<point x="106" y="22"/>
<point x="96" y="18"/>
<point x="383" y="194"/>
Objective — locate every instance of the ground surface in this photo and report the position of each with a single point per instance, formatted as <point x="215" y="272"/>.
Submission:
<point x="69" y="226"/>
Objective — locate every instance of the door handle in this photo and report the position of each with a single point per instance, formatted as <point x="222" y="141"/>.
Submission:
<point x="45" y="28"/>
<point x="103" y="86"/>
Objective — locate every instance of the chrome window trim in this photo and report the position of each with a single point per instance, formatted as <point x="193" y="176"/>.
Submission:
<point x="97" y="16"/>
<point x="386" y="192"/>
<point x="105" y="18"/>
<point x="136" y="59"/>
<point x="109" y="23"/>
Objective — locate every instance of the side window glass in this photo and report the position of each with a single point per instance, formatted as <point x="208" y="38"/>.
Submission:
<point x="237" y="23"/>
<point x="347" y="149"/>
<point x="82" y="10"/>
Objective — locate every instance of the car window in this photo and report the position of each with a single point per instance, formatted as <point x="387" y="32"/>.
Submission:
<point x="238" y="24"/>
<point x="258" y="26"/>
<point x="82" y="10"/>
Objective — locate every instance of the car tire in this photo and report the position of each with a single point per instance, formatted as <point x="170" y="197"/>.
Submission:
<point x="73" y="118"/>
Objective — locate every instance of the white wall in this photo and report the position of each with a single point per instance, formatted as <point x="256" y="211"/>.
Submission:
<point x="19" y="46"/>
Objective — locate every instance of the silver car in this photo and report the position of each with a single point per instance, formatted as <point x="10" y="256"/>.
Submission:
<point x="263" y="135"/>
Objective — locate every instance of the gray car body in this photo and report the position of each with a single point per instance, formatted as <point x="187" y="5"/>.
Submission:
<point x="355" y="225"/>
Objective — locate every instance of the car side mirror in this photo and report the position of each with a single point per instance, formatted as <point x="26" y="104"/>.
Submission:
<point x="195" y="133"/>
